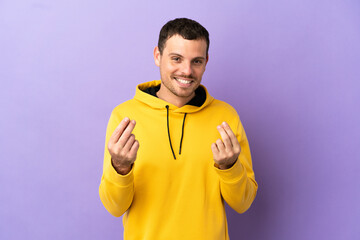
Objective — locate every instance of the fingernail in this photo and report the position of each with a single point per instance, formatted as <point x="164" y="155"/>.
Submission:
<point x="133" y="121"/>
<point x="126" y="119"/>
<point x="219" y="127"/>
<point x="224" y="123"/>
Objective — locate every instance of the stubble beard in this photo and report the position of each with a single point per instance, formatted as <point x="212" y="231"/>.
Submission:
<point x="173" y="90"/>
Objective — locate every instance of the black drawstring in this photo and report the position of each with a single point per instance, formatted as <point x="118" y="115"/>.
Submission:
<point x="167" y="111"/>
<point x="182" y="133"/>
<point x="168" y="128"/>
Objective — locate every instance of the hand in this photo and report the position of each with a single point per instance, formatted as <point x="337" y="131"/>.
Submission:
<point x="123" y="146"/>
<point x="227" y="150"/>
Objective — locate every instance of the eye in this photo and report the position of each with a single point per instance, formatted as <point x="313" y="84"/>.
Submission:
<point x="176" y="59"/>
<point x="198" y="62"/>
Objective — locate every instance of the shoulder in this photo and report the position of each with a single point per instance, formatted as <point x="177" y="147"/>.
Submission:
<point x="122" y="110"/>
<point x="222" y="107"/>
<point x="226" y="112"/>
<point x="125" y="106"/>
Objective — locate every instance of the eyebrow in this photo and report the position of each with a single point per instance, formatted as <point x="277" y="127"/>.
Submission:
<point x="177" y="54"/>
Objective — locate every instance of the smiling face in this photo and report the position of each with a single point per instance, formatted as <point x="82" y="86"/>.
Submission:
<point x="182" y="64"/>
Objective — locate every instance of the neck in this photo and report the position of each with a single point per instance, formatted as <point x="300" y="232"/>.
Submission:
<point x="175" y="100"/>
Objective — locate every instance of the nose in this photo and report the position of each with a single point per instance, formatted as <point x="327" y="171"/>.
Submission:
<point x="186" y="68"/>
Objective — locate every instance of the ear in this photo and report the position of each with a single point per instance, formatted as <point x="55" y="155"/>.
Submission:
<point x="207" y="58"/>
<point x="157" y="56"/>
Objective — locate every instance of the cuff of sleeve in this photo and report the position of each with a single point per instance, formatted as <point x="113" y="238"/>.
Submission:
<point x="232" y="174"/>
<point x="119" y="179"/>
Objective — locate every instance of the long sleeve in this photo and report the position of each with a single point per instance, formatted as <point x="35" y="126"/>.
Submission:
<point x="116" y="191"/>
<point x="237" y="184"/>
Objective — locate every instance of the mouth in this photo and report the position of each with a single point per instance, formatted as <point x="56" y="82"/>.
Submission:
<point x="183" y="82"/>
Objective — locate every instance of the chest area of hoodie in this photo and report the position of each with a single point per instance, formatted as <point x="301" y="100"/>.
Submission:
<point x="155" y="160"/>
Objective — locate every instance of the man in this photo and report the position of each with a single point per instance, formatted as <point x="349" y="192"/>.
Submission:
<point x="190" y="152"/>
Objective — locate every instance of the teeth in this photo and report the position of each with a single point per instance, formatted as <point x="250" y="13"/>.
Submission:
<point x="183" y="81"/>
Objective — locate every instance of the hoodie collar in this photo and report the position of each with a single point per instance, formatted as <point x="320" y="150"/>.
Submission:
<point x="197" y="100"/>
<point x="157" y="103"/>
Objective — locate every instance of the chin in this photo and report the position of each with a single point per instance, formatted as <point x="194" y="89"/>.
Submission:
<point x="185" y="94"/>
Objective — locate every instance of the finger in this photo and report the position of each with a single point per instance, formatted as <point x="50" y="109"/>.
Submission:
<point x="220" y="145"/>
<point x="129" y="143"/>
<point x="134" y="149"/>
<point x="119" y="130"/>
<point x="214" y="149"/>
<point x="126" y="134"/>
<point x="234" y="141"/>
<point x="225" y="137"/>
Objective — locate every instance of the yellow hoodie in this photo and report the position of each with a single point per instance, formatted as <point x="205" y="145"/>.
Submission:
<point x="168" y="195"/>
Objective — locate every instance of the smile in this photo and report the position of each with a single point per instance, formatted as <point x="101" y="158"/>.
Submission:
<point x="183" y="80"/>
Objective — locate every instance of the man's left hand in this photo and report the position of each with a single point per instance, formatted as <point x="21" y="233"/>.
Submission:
<point x="227" y="150"/>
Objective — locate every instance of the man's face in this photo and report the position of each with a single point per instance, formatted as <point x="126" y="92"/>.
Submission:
<point x="182" y="65"/>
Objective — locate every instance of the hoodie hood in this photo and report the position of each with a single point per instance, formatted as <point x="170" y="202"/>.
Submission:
<point x="158" y="103"/>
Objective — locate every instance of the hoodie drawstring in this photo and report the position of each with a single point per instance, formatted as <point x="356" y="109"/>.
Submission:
<point x="167" y="111"/>
<point x="168" y="128"/>
<point x="182" y="133"/>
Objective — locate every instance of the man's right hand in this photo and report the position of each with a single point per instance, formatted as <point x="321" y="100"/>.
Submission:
<point x="123" y="146"/>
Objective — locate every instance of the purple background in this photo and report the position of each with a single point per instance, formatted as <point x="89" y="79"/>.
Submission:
<point x="290" y="68"/>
